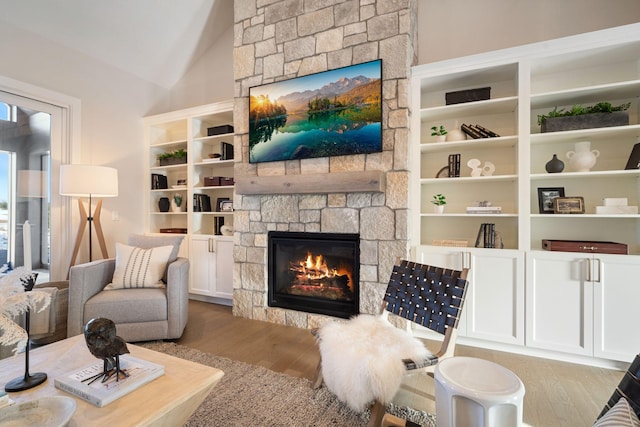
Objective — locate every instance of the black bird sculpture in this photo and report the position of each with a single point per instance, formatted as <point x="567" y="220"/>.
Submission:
<point x="103" y="343"/>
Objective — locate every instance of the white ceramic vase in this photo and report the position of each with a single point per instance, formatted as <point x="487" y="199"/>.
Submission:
<point x="456" y="135"/>
<point x="175" y="207"/>
<point x="583" y="158"/>
<point x="438" y="208"/>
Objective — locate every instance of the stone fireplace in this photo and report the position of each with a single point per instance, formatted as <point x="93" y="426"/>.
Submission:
<point x="281" y="39"/>
<point x="314" y="272"/>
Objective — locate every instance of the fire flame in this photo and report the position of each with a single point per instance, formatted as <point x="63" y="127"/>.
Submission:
<point x="315" y="267"/>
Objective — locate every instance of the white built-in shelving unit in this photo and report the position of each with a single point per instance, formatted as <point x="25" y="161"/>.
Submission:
<point x="525" y="82"/>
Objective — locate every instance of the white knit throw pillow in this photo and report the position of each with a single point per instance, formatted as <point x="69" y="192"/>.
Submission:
<point x="139" y="268"/>
<point x="620" y="415"/>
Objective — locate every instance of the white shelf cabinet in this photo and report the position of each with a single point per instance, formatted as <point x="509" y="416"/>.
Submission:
<point x="487" y="290"/>
<point x="526" y="82"/>
<point x="211" y="266"/>
<point x="188" y="130"/>
<point x="581" y="303"/>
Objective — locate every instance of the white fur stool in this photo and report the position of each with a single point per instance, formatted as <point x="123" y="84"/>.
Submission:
<point x="474" y="392"/>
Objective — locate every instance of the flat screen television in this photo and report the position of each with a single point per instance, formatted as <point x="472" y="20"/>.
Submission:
<point x="332" y="113"/>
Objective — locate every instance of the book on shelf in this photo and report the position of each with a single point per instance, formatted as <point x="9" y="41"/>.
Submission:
<point x="477" y="132"/>
<point x="454" y="165"/>
<point x="159" y="182"/>
<point x="470" y="131"/>
<point x="484" y="209"/>
<point x="634" y="158"/>
<point x="201" y="203"/>
<point x="486" y="236"/>
<point x="450" y="242"/>
<point x="488" y="133"/>
<point x="79" y="382"/>
<point x="226" y="151"/>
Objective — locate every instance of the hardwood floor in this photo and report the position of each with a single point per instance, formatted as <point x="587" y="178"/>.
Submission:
<point x="557" y="393"/>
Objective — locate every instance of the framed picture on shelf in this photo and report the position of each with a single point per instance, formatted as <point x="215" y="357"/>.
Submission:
<point x="568" y="205"/>
<point x="546" y="196"/>
<point x="219" y="203"/>
<point x="226" y="206"/>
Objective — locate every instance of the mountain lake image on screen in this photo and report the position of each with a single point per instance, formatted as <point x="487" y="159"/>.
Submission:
<point x="332" y="113"/>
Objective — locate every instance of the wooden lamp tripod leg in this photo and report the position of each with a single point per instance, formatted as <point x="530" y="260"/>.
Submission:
<point x="81" y="227"/>
<point x="95" y="219"/>
<point x="98" y="226"/>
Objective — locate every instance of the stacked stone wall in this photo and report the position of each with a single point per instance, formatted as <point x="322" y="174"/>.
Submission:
<point x="281" y="39"/>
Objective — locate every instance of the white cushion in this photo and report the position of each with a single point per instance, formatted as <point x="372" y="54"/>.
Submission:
<point x="620" y="415"/>
<point x="139" y="268"/>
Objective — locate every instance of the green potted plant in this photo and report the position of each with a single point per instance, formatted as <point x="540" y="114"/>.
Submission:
<point x="602" y="114"/>
<point x="173" y="157"/>
<point x="439" y="132"/>
<point x="177" y="203"/>
<point x="439" y="200"/>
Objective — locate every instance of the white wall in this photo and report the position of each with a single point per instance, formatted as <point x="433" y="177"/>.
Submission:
<point x="454" y="28"/>
<point x="112" y="105"/>
<point x="209" y="80"/>
<point x="446" y="29"/>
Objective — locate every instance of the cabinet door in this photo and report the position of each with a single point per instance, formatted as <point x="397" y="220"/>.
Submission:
<point x="202" y="258"/>
<point x="616" y="296"/>
<point x="223" y="268"/>
<point x="441" y="256"/>
<point x="559" y="302"/>
<point x="446" y="257"/>
<point x="495" y="298"/>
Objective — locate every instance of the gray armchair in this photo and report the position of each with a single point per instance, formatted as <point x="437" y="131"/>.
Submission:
<point x="139" y="314"/>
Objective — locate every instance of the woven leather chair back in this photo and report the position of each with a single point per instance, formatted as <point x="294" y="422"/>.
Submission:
<point x="629" y="388"/>
<point x="427" y="295"/>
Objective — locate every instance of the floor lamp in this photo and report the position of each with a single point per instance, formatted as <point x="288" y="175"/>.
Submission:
<point x="92" y="182"/>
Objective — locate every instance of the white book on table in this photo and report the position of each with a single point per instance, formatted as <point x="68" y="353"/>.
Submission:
<point x="100" y="393"/>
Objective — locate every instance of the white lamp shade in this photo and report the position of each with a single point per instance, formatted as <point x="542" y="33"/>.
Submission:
<point x="32" y="183"/>
<point x="88" y="180"/>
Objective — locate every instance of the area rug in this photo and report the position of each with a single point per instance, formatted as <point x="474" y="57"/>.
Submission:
<point x="251" y="395"/>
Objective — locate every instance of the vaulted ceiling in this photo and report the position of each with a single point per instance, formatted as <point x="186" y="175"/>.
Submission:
<point x="156" y="40"/>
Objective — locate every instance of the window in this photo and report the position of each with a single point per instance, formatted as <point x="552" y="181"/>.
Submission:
<point x="7" y="112"/>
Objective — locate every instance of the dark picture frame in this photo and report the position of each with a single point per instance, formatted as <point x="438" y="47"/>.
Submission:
<point x="546" y="196"/>
<point x="568" y="205"/>
<point x="332" y="113"/>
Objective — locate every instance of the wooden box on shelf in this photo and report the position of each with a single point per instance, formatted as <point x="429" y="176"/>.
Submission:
<point x="468" y="95"/>
<point x="174" y="230"/>
<point x="585" y="246"/>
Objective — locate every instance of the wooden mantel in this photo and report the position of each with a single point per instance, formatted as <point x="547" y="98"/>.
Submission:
<point x="338" y="182"/>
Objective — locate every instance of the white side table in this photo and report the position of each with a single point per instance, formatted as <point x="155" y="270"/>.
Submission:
<point x="475" y="392"/>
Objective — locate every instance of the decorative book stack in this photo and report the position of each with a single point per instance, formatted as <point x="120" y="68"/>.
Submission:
<point x="486" y="236"/>
<point x="454" y="165"/>
<point x="477" y="132"/>
<point x="100" y="393"/>
<point x="201" y="203"/>
<point x="487" y="210"/>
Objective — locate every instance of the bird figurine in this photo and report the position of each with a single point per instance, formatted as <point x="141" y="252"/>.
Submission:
<point x="103" y="343"/>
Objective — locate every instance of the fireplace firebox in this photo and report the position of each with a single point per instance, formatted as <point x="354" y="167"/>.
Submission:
<point x="314" y="272"/>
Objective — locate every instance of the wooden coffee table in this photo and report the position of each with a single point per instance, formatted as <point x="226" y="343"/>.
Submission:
<point x="169" y="400"/>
